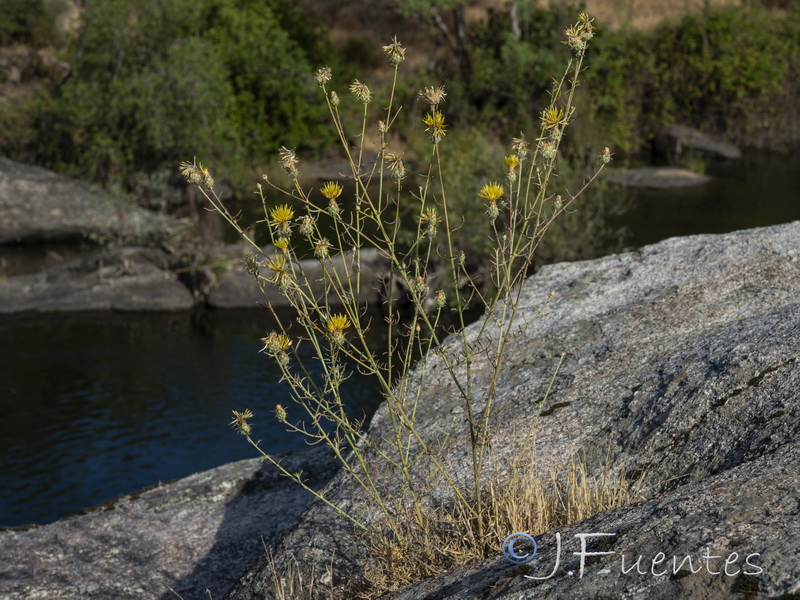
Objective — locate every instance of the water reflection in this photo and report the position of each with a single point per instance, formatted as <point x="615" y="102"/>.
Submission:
<point x="98" y="405"/>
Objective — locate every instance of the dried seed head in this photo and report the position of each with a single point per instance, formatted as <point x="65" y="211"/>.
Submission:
<point x="288" y="161"/>
<point x="307" y="223"/>
<point x="361" y="92"/>
<point x="395" y="52"/>
<point x="240" y="421"/>
<point x="323" y="76"/>
<point x="394" y="163"/>
<point x="433" y="95"/>
<point x="322" y="248"/>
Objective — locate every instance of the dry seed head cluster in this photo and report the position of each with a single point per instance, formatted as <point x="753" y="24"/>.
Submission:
<point x="433" y="95"/>
<point x="240" y="421"/>
<point x="578" y="35"/>
<point x="323" y="76"/>
<point x="288" y="161"/>
<point x="197" y="174"/>
<point x="361" y="92"/>
<point x="394" y="163"/>
<point x="395" y="53"/>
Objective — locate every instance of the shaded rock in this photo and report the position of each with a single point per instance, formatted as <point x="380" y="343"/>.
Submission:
<point x="191" y="535"/>
<point x="657" y="177"/>
<point x="681" y="359"/>
<point x="37" y="205"/>
<point x="678" y="139"/>
<point x="124" y="279"/>
<point x="238" y="289"/>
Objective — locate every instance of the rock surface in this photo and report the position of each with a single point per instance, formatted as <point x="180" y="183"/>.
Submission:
<point x="677" y="139"/>
<point x="657" y="177"/>
<point x="37" y="205"/>
<point x="123" y="279"/>
<point x="193" y="535"/>
<point x="681" y="359"/>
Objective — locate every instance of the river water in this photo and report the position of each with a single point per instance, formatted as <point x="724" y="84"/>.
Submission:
<point x="95" y="406"/>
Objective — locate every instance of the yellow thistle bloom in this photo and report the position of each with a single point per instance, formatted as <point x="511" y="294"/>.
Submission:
<point x="512" y="162"/>
<point x="281" y="217"/>
<point x="276" y="342"/>
<point x="436" y="125"/>
<point x="331" y="190"/>
<point x="491" y="191"/>
<point x="280" y="273"/>
<point x="280" y="413"/>
<point x="338" y="323"/>
<point x="336" y="326"/>
<point x="240" y="421"/>
<point x="430" y="217"/>
<point x="282" y="244"/>
<point x="552" y="117"/>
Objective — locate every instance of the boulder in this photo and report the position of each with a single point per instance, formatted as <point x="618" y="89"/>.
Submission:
<point x="123" y="279"/>
<point x="657" y="177"/>
<point x="678" y="139"/>
<point x="37" y="205"/>
<point x="190" y="536"/>
<point x="681" y="361"/>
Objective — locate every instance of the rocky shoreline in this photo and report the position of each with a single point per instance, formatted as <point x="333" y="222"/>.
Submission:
<point x="132" y="266"/>
<point x="681" y="359"/>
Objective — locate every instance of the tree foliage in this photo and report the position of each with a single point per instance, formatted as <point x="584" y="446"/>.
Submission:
<point x="152" y="80"/>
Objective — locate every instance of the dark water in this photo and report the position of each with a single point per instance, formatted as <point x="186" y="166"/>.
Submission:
<point x="757" y="190"/>
<point x="95" y="406"/>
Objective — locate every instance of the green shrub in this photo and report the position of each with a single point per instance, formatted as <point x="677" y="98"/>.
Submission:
<point x="723" y="69"/>
<point x="150" y="81"/>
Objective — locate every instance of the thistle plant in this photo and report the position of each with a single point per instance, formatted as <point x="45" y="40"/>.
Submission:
<point x="438" y="288"/>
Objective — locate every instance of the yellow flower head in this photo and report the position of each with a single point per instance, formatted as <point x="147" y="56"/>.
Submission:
<point x="280" y="413"/>
<point x="240" y="421"/>
<point x="338" y="323"/>
<point x="436" y="125"/>
<point x="282" y="244"/>
<point x="552" y="117"/>
<point x="281" y="217"/>
<point x="512" y="162"/>
<point x="336" y="326"/>
<point x="276" y="342"/>
<point x="331" y="190"/>
<point x="281" y="274"/>
<point x="491" y="191"/>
